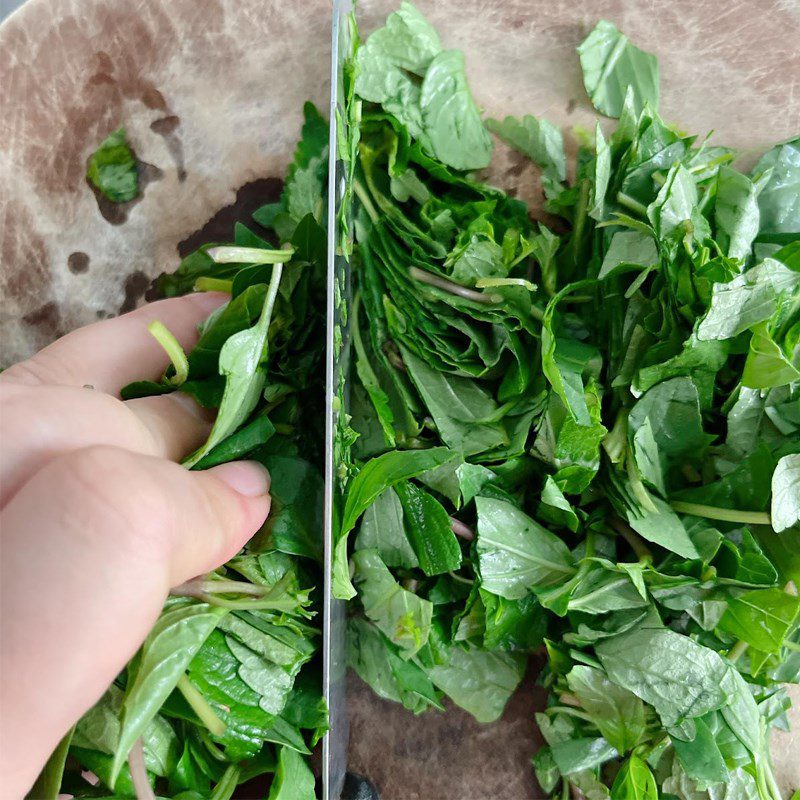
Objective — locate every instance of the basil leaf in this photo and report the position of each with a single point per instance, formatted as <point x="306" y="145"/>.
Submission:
<point x="515" y="553"/>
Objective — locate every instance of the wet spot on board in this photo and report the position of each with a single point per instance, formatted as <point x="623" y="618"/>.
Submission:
<point x="571" y="106"/>
<point x="47" y="319"/>
<point x="165" y="125"/>
<point x="135" y="287"/>
<point x="220" y="227"/>
<point x="78" y="263"/>
<point x="167" y="128"/>
<point x="117" y="213"/>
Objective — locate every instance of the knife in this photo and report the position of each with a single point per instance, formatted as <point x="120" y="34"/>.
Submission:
<point x="334" y="666"/>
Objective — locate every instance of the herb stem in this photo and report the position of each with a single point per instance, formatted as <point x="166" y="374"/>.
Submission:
<point x="164" y="336"/>
<point x="366" y="201"/>
<point x="201" y="588"/>
<point x="637" y="487"/>
<point x="423" y="276"/>
<point x="227" y="784"/>
<point x="249" y="255"/>
<point x="570" y="712"/>
<point x="201" y="706"/>
<point x="631" y="204"/>
<point x="737" y="651"/>
<point x="722" y="514"/>
<point x="141" y="782"/>
<point x="467" y="581"/>
<point x="461" y="530"/>
<point x="643" y="552"/>
<point x="206" y="283"/>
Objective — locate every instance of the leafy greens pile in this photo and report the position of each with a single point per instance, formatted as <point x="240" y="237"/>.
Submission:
<point x="585" y="442"/>
<point x="227" y="687"/>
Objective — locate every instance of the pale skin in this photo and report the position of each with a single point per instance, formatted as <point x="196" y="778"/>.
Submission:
<point x="98" y="521"/>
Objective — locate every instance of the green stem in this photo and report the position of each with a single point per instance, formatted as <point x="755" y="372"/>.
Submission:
<point x="458" y="578"/>
<point x="162" y="334"/>
<point x="363" y="195"/>
<point x="636" y="542"/>
<point x="637" y="487"/>
<point x="202" y="587"/>
<point x="722" y="514"/>
<point x="423" y="276"/>
<point x="209" y="284"/>
<point x="569" y="711"/>
<point x="249" y="255"/>
<point x="634" y="205"/>
<point x="227" y="784"/>
<point x="139" y="776"/>
<point x="201" y="706"/>
<point x="735" y="653"/>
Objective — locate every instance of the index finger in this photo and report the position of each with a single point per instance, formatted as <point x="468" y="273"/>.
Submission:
<point x="108" y="355"/>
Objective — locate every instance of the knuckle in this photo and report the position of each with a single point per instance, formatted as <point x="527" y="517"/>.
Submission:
<point x="31" y="372"/>
<point x="112" y="498"/>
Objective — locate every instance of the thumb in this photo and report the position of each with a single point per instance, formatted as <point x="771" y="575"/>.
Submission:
<point x="90" y="547"/>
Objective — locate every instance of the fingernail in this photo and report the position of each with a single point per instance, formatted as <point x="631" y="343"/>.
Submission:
<point x="245" y="477"/>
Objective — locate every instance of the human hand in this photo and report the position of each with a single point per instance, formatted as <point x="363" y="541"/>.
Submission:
<point x="97" y="521"/>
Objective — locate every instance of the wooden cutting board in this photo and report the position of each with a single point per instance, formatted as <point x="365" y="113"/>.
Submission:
<point x="211" y="91"/>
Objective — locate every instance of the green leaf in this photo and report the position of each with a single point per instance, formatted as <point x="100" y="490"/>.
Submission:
<point x="540" y="141"/>
<point x="479" y="681"/>
<point x="547" y="773"/>
<point x="240" y="361"/>
<point x="451" y="120"/>
<point x="576" y="755"/>
<point x="736" y="212"/>
<point x="617" y="712"/>
<point x="294" y="524"/>
<point x="678" y="677"/>
<point x="512" y="624"/>
<point x="382" y="529"/>
<point x="572" y="449"/>
<point x="555" y="508"/>
<point x="629" y="250"/>
<point x="113" y="169"/>
<point x="99" y="730"/>
<point x="748" y="299"/>
<point x="611" y="64"/>
<point x="377" y="663"/>
<point x="48" y="783"/>
<point x="165" y="655"/>
<point x="461" y="408"/>
<point x="701" y="758"/>
<point x="785" y="509"/>
<point x="429" y="532"/>
<point x="663" y="527"/>
<point x="779" y="202"/>
<point x="304" y="185"/>
<point x="602" y="590"/>
<point x="238" y="444"/>
<point x="675" y="205"/>
<point x="237" y="315"/>
<point x="293" y="779"/>
<point x="673" y="410"/>
<point x="383" y="472"/>
<point x="767" y="365"/>
<point x="400" y="614"/>
<point x="634" y="781"/>
<point x="392" y="61"/>
<point x="515" y="553"/>
<point x="762" y="618"/>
